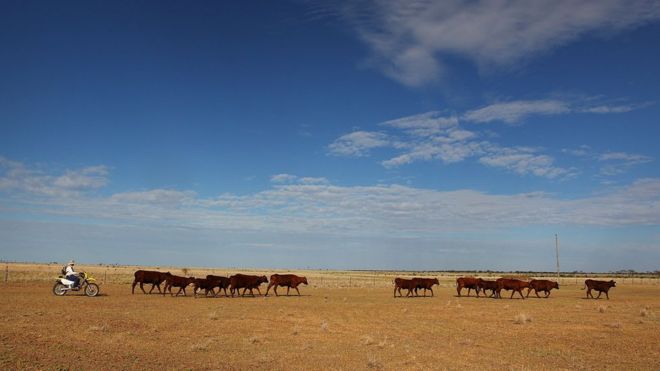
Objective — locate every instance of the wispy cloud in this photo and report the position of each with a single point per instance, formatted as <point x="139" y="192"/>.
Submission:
<point x="358" y="143"/>
<point x="388" y="210"/>
<point x="620" y="162"/>
<point x="524" y="161"/>
<point x="409" y="40"/>
<point x="15" y="175"/>
<point x="443" y="136"/>
<point x="288" y="178"/>
<point x="512" y="112"/>
<point x="433" y="137"/>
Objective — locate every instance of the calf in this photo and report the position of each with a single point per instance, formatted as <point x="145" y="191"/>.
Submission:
<point x="467" y="282"/>
<point x="542" y="285"/>
<point x="510" y="284"/>
<point x="426" y="284"/>
<point x="600" y="286"/>
<point x="245" y="282"/>
<point x="205" y="284"/>
<point x="403" y="283"/>
<point x="152" y="277"/>
<point x="222" y="282"/>
<point x="288" y="280"/>
<point x="484" y="285"/>
<point x="177" y="281"/>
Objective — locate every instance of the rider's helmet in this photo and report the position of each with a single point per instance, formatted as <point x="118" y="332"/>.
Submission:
<point x="71" y="263"/>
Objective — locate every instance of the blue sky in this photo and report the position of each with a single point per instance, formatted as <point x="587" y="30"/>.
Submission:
<point x="395" y="135"/>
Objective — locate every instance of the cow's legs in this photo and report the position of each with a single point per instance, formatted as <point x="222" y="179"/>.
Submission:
<point x="133" y="287"/>
<point x="142" y="287"/>
<point x="297" y="290"/>
<point x="287" y="290"/>
<point x="599" y="294"/>
<point x="547" y="293"/>
<point x="395" y="291"/>
<point x="537" y="294"/>
<point x="257" y="290"/>
<point x="431" y="291"/>
<point x="521" y="294"/>
<point x="608" y="296"/>
<point x="458" y="290"/>
<point x="268" y="288"/>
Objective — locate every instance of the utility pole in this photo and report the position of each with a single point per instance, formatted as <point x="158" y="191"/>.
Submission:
<point x="557" y="252"/>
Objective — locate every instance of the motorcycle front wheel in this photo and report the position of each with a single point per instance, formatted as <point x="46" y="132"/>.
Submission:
<point x="92" y="289"/>
<point x="59" y="289"/>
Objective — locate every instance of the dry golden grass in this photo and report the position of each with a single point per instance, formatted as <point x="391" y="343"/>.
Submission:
<point x="334" y="325"/>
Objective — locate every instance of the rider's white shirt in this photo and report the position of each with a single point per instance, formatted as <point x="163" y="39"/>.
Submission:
<point x="70" y="271"/>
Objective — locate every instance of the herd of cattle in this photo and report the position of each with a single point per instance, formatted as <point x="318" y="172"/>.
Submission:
<point x="211" y="282"/>
<point x="496" y="286"/>
<point x="291" y="281"/>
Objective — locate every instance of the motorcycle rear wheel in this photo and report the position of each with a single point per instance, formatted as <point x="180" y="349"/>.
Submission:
<point x="59" y="289"/>
<point x="92" y="289"/>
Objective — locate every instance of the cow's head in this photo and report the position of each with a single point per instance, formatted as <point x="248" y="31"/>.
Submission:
<point x="304" y="280"/>
<point x="555" y="285"/>
<point x="262" y="279"/>
<point x="191" y="280"/>
<point x="436" y="282"/>
<point x="612" y="283"/>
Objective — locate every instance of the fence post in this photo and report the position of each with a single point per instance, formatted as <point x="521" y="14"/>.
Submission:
<point x="6" y="273"/>
<point x="105" y="276"/>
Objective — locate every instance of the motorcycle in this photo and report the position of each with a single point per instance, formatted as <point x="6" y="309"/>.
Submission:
<point x="87" y="285"/>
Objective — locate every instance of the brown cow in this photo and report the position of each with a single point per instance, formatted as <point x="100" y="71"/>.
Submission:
<point x="222" y="282"/>
<point x="155" y="278"/>
<point x="487" y="285"/>
<point x="510" y="284"/>
<point x="205" y="284"/>
<point x="426" y="284"/>
<point x="542" y="285"/>
<point x="177" y="281"/>
<point x="245" y="282"/>
<point x="600" y="286"/>
<point x="404" y="283"/>
<point x="467" y="282"/>
<point x="288" y="280"/>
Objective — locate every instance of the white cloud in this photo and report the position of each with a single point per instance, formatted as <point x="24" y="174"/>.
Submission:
<point x="410" y="40"/>
<point x="512" y="112"/>
<point x="358" y="143"/>
<point x="608" y="108"/>
<point x="386" y="210"/>
<point x="16" y="175"/>
<point x="622" y="156"/>
<point x="581" y="151"/>
<point x="288" y="178"/>
<point x="620" y="162"/>
<point x="155" y="196"/>
<point x="524" y="161"/>
<point x="283" y="178"/>
<point x="424" y="124"/>
<point x="87" y="178"/>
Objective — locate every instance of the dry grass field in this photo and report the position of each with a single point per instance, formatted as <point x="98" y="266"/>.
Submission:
<point x="344" y="320"/>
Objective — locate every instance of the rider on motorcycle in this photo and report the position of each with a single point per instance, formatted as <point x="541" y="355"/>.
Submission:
<point x="72" y="275"/>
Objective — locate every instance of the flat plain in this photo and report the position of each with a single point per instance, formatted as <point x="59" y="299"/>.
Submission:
<point x="343" y="320"/>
